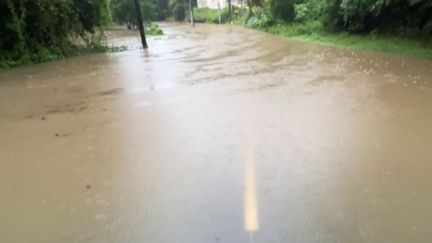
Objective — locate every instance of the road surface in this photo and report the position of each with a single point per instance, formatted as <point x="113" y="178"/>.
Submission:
<point x="218" y="134"/>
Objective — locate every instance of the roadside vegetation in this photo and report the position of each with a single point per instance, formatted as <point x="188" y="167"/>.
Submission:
<point x="419" y="47"/>
<point x="399" y="26"/>
<point x="207" y="15"/>
<point x="123" y="14"/>
<point x="152" y="10"/>
<point x="38" y="31"/>
<point x="41" y="31"/>
<point x="153" y="29"/>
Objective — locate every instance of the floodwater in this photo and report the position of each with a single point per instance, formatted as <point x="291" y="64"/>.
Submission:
<point x="218" y="134"/>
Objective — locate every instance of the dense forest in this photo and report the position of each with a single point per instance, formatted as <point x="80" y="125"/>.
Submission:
<point x="402" y="17"/>
<point x="41" y="30"/>
<point x="398" y="26"/>
<point x="123" y="11"/>
<point x="396" y="17"/>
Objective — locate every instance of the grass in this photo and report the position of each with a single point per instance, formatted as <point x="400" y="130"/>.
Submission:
<point x="207" y="15"/>
<point x="154" y="29"/>
<point x="313" y="32"/>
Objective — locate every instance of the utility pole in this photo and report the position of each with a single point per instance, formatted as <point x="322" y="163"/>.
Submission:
<point x="140" y="23"/>
<point x="219" y="12"/>
<point x="192" y="18"/>
<point x="229" y="11"/>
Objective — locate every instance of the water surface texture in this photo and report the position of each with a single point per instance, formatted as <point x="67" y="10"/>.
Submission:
<point x="218" y="134"/>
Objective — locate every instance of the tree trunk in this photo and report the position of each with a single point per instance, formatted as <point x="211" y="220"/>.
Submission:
<point x="249" y="4"/>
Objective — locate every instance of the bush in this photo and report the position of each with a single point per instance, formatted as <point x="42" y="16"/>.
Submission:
<point x="261" y="19"/>
<point x="38" y="31"/>
<point x="154" y="29"/>
<point x="397" y="16"/>
<point x="282" y="9"/>
<point x="239" y="14"/>
<point x="301" y="12"/>
<point x="179" y="12"/>
<point x="296" y="29"/>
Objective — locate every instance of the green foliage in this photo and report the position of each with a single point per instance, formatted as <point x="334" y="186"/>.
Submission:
<point x="239" y="14"/>
<point x="282" y="9"/>
<point x="123" y="11"/>
<point x="316" y="34"/>
<point x="401" y="17"/>
<point x="263" y="21"/>
<point x="154" y="29"/>
<point x="255" y="3"/>
<point x="40" y="30"/>
<point x="207" y="15"/>
<point x="163" y="6"/>
<point x="301" y="12"/>
<point x="404" y="17"/>
<point x="399" y="26"/>
<point x="179" y="12"/>
<point x="296" y="29"/>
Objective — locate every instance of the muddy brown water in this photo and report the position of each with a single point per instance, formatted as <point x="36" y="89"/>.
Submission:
<point x="218" y="134"/>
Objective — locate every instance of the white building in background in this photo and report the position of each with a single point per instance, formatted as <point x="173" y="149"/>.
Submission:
<point x="217" y="3"/>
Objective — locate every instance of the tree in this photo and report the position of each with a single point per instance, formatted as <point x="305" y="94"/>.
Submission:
<point x="251" y="4"/>
<point x="403" y="17"/>
<point x="123" y="11"/>
<point x="282" y="9"/>
<point x="379" y="15"/>
<point x="178" y="9"/>
<point x="163" y="9"/>
<point x="29" y="27"/>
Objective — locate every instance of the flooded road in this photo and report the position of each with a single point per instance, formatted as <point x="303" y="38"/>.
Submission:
<point x="218" y="134"/>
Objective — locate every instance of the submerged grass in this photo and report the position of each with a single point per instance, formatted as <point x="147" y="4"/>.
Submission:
<point x="154" y="29"/>
<point x="313" y="32"/>
<point x="54" y="54"/>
